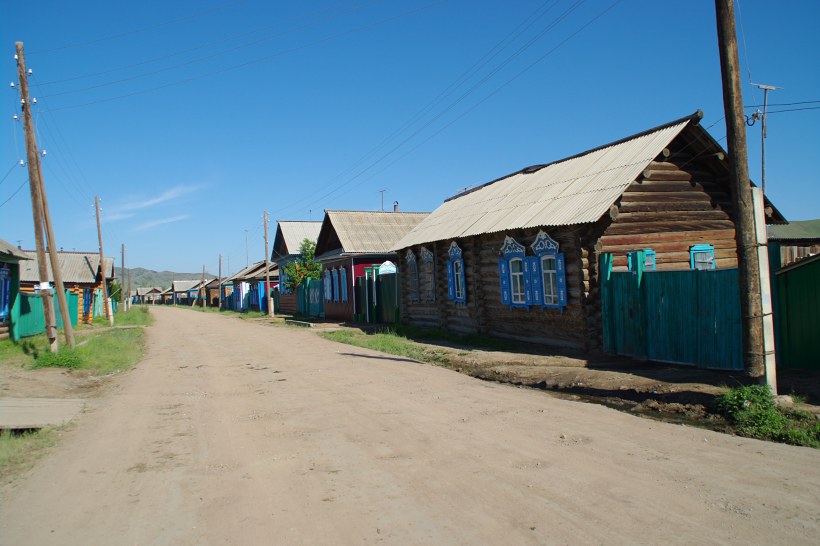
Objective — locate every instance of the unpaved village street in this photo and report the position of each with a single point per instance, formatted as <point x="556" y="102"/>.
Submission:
<point x="230" y="432"/>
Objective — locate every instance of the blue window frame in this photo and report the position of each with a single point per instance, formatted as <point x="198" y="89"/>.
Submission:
<point x="551" y="273"/>
<point x="514" y="277"/>
<point x="335" y="275"/>
<point x="328" y="289"/>
<point x="5" y="290"/>
<point x="456" y="286"/>
<point x="645" y="256"/>
<point x="702" y="257"/>
<point x="343" y="281"/>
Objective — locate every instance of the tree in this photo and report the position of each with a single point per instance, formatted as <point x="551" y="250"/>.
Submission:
<point x="115" y="291"/>
<point x="303" y="268"/>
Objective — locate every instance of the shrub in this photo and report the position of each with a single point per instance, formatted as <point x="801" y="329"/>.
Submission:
<point x="66" y="358"/>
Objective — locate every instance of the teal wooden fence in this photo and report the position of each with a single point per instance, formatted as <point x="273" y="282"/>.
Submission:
<point x="310" y="299"/>
<point x="681" y="317"/>
<point x="797" y="314"/>
<point x="28" y="319"/>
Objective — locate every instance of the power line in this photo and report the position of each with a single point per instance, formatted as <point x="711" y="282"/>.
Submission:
<point x="255" y="61"/>
<point x="784" y="103"/>
<point x="189" y="62"/>
<point x="793" y="110"/>
<point x="136" y="31"/>
<point x="16" y="163"/>
<point x="15" y="192"/>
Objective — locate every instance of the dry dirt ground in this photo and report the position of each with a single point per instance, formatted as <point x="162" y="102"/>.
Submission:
<point x="230" y="432"/>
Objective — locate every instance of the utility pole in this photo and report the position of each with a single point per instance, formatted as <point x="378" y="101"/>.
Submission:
<point x="123" y="297"/>
<point x="220" y="283"/>
<point x="39" y="209"/>
<point x="106" y="300"/>
<point x="766" y="89"/>
<point x="246" y="248"/>
<point x="751" y="308"/>
<point x="202" y="288"/>
<point x="382" y="192"/>
<point x="36" y="203"/>
<point x="267" y="267"/>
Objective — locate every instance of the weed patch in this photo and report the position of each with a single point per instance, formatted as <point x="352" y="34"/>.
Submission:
<point x="388" y="342"/>
<point x="67" y="358"/>
<point x="138" y="315"/>
<point x="753" y="412"/>
<point x="19" y="450"/>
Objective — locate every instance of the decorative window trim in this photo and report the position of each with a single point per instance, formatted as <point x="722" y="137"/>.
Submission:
<point x="456" y="281"/>
<point x="343" y="282"/>
<point x="327" y="287"/>
<point x="412" y="275"/>
<point x="335" y="276"/>
<point x="546" y="246"/>
<point x="512" y="251"/>
<point x="649" y="259"/>
<point x="701" y="249"/>
<point x="428" y="260"/>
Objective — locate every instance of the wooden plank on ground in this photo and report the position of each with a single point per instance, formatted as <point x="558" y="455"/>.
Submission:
<point x="22" y="413"/>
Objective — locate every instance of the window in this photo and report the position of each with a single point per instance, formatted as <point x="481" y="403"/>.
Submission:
<point x="413" y="275"/>
<point x="428" y="288"/>
<point x="538" y="280"/>
<point x="455" y="274"/>
<point x="517" y="280"/>
<point x="335" y="276"/>
<point x="647" y="256"/>
<point x="343" y="281"/>
<point x="327" y="288"/>
<point x="702" y="257"/>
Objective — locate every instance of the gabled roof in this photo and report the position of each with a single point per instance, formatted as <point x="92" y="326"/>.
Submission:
<point x="8" y="250"/>
<point x="575" y="190"/>
<point x="803" y="231"/>
<point x="289" y="237"/>
<point x="349" y="232"/>
<point x="145" y="291"/>
<point x="76" y="267"/>
<point x="247" y="273"/>
<point x="184" y="286"/>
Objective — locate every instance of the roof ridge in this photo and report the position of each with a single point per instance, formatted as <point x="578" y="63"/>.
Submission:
<point x="695" y="118"/>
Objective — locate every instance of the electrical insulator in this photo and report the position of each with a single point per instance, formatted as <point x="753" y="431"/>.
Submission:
<point x="11" y="84"/>
<point x="15" y="57"/>
<point x="16" y="117"/>
<point x="34" y="100"/>
<point x="44" y="153"/>
<point x="22" y="163"/>
<point x="22" y="101"/>
<point x="30" y="72"/>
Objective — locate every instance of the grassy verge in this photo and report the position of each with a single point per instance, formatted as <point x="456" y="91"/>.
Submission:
<point x="226" y="312"/>
<point x="138" y="315"/>
<point x="388" y="342"/>
<point x="19" y="451"/>
<point x="753" y="412"/>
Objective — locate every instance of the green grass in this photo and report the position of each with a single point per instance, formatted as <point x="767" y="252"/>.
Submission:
<point x="102" y="352"/>
<point x="18" y="451"/>
<point x="472" y="340"/>
<point x="138" y="315"/>
<point x="388" y="342"/>
<point x="753" y="413"/>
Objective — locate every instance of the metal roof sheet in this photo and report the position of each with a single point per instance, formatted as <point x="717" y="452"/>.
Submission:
<point x="294" y="232"/>
<point x="10" y="251"/>
<point x="76" y="267"/>
<point x="371" y="232"/>
<point x="184" y="286"/>
<point x="803" y="230"/>
<point x="576" y="190"/>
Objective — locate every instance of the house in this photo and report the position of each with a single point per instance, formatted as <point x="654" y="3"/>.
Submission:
<point x="212" y="292"/>
<point x="167" y="296"/>
<point x="351" y="241"/>
<point x="247" y="287"/>
<point x="794" y="241"/>
<point x="518" y="257"/>
<point x="286" y="249"/>
<point x="10" y="258"/>
<point x="184" y="292"/>
<point x="81" y="275"/>
<point x="147" y="295"/>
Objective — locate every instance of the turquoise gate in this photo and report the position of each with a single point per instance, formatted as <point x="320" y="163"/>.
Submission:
<point x="681" y="317"/>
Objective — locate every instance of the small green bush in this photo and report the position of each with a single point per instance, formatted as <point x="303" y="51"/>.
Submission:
<point x="67" y="358"/>
<point x="754" y="413"/>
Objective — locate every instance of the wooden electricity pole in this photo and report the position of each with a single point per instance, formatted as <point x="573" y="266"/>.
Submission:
<point x="220" y="283"/>
<point x="747" y="256"/>
<point x="202" y="288"/>
<point x="106" y="301"/>
<point x="267" y="268"/>
<point x="123" y="297"/>
<point x="42" y="219"/>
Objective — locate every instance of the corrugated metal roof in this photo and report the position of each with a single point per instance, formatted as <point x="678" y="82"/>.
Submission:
<point x="184" y="286"/>
<point x="294" y="233"/>
<point x="371" y="232"/>
<point x="10" y="251"/>
<point x="803" y="230"/>
<point x="76" y="267"/>
<point x="576" y="190"/>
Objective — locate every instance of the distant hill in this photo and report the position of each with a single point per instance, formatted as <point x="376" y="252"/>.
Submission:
<point x="141" y="277"/>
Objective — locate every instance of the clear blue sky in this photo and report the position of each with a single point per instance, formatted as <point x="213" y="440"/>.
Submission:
<point x="191" y="118"/>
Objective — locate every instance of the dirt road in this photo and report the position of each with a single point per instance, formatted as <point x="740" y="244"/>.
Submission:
<point x="238" y="433"/>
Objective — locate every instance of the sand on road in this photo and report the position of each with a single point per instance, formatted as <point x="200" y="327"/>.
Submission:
<point x="236" y="433"/>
